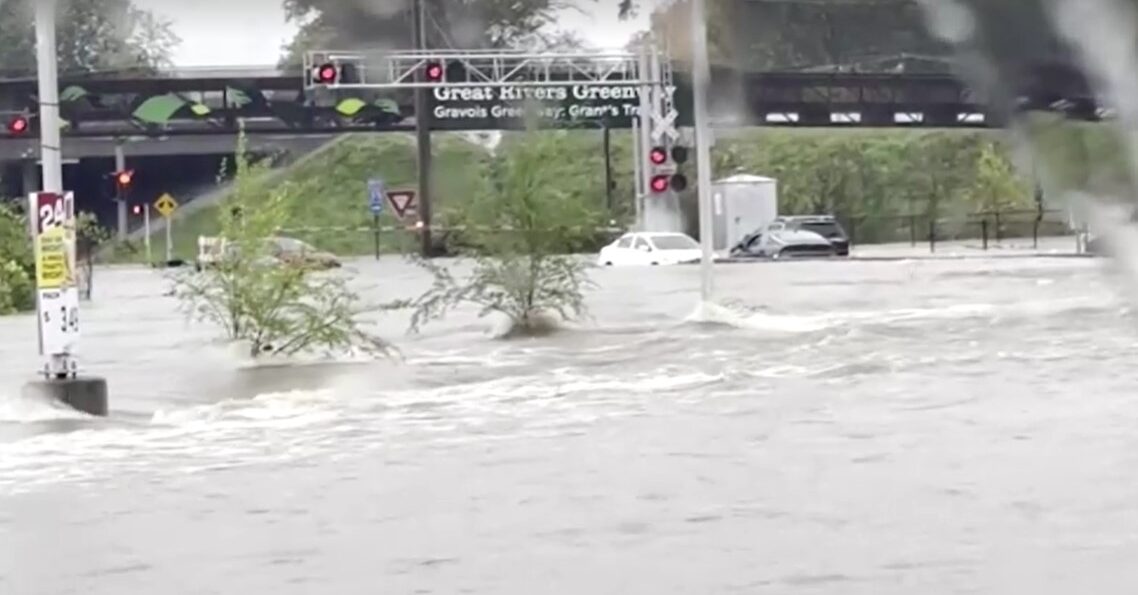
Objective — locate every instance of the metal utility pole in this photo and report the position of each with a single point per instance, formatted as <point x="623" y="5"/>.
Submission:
<point x="51" y="147"/>
<point x="50" y="143"/>
<point x="701" y="74"/>
<point x="423" y="130"/>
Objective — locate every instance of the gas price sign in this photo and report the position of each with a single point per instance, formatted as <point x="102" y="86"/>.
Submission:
<point x="53" y="226"/>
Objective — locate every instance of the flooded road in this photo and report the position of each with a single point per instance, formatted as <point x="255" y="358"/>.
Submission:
<point x="849" y="427"/>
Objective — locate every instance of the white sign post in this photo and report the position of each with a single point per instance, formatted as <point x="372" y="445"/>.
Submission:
<point x="146" y="232"/>
<point x="53" y="228"/>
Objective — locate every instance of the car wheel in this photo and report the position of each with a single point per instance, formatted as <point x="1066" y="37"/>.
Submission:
<point x="655" y="264"/>
<point x="608" y="264"/>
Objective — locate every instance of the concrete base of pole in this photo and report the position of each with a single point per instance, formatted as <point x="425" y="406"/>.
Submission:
<point x="86" y="394"/>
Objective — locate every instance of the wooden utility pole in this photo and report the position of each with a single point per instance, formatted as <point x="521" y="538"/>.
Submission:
<point x="423" y="130"/>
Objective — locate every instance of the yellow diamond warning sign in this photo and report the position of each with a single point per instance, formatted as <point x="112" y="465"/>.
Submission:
<point x="166" y="205"/>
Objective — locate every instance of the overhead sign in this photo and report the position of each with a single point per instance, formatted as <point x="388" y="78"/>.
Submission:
<point x="53" y="221"/>
<point x="166" y="205"/>
<point x="564" y="106"/>
<point x="403" y="202"/>
<point x="375" y="195"/>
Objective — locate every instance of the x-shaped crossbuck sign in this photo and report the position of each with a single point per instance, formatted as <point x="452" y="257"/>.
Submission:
<point x="665" y="126"/>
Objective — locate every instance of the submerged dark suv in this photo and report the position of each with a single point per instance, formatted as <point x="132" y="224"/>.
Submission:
<point x="824" y="225"/>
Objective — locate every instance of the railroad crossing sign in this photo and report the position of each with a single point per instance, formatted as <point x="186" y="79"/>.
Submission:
<point x="665" y="125"/>
<point x="166" y="205"/>
<point x="375" y="195"/>
<point x="403" y="202"/>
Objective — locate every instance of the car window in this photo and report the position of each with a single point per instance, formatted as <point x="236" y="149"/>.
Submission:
<point x="824" y="229"/>
<point x="642" y="244"/>
<point x="625" y="242"/>
<point x="674" y="242"/>
<point x="776" y="227"/>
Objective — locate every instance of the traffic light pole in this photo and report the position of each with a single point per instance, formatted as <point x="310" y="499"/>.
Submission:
<point x="120" y="165"/>
<point x="423" y="133"/>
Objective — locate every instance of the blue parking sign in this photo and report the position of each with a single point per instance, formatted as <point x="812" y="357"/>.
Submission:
<point x="375" y="195"/>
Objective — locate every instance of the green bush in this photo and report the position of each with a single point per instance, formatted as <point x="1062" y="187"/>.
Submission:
<point x="276" y="308"/>
<point x="518" y="233"/>
<point x="17" y="290"/>
<point x="17" y="267"/>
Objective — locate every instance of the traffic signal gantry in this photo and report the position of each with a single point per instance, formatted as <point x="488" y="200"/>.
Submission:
<point x="647" y="69"/>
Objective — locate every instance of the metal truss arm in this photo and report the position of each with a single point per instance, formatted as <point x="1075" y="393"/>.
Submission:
<point x="475" y="68"/>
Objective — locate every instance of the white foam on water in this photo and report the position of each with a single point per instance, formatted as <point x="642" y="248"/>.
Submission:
<point x="32" y="409"/>
<point x="278" y="426"/>
<point x="709" y="312"/>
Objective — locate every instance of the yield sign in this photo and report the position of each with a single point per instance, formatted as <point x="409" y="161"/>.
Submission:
<point x="402" y="201"/>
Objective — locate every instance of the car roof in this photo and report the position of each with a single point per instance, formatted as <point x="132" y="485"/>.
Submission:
<point x="807" y="218"/>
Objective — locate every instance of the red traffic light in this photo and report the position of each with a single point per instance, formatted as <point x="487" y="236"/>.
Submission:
<point x="18" y="125"/>
<point x="137" y="210"/>
<point x="124" y="178"/>
<point x="435" y="72"/>
<point x="660" y="183"/>
<point x="326" y="74"/>
<point x="658" y="156"/>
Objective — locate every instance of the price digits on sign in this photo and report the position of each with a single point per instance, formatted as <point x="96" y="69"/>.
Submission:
<point x="52" y="214"/>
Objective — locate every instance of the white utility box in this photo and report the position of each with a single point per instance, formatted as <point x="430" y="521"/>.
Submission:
<point x="740" y="205"/>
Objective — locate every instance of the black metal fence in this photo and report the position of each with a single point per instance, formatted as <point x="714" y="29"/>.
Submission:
<point x="988" y="227"/>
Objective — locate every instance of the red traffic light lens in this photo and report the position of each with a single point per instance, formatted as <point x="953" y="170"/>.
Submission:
<point x="434" y="72"/>
<point x="658" y="156"/>
<point x="660" y="183"/>
<point x="124" y="178"/>
<point x="137" y="210"/>
<point x="326" y="73"/>
<point x="18" y="125"/>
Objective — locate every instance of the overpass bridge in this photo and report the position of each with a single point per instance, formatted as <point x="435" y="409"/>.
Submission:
<point x="185" y="112"/>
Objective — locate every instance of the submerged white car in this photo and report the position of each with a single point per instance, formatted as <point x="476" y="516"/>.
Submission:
<point x="642" y="248"/>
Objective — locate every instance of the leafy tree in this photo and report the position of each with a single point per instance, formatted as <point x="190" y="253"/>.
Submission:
<point x="17" y="268"/>
<point x="518" y="234"/>
<point x="820" y="34"/>
<point x="275" y="308"/>
<point x="92" y="35"/>
<point x="997" y="187"/>
<point x="328" y="24"/>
